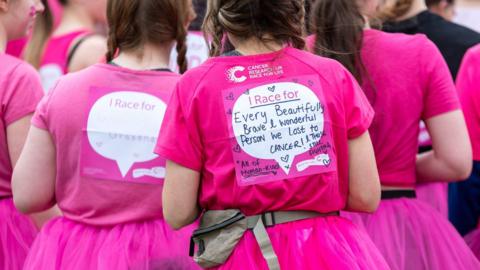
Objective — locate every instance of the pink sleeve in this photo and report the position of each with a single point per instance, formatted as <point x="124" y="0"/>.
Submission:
<point x="22" y="94"/>
<point x="40" y="118"/>
<point x="358" y="111"/>
<point x="440" y="93"/>
<point x="179" y="139"/>
<point x="468" y="81"/>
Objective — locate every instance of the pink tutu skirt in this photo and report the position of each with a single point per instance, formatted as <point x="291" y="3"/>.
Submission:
<point x="435" y="195"/>
<point x="473" y="241"/>
<point x="17" y="233"/>
<point x="326" y="243"/>
<point x="150" y="245"/>
<point x="411" y="235"/>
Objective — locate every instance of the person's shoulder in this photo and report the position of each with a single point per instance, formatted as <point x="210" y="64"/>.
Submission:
<point x="319" y="63"/>
<point x="451" y="32"/>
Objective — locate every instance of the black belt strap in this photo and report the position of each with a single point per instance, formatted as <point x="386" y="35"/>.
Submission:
<point x="397" y="194"/>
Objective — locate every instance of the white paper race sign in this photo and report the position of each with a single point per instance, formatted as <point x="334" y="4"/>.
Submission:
<point x="120" y="135"/>
<point x="279" y="130"/>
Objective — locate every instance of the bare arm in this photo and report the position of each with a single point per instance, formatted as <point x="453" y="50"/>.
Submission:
<point x="180" y="195"/>
<point x="16" y="136"/>
<point x="33" y="181"/>
<point x="451" y="157"/>
<point x="90" y="52"/>
<point x="364" y="183"/>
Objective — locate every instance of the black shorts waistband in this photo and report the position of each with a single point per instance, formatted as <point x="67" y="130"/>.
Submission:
<point x="397" y="194"/>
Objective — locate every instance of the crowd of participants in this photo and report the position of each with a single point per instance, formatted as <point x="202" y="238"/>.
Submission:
<point x="238" y="134"/>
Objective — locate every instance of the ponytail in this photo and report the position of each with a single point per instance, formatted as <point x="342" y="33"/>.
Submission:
<point x="338" y="26"/>
<point x="42" y="30"/>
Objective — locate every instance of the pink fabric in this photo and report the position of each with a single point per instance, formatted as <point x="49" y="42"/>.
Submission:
<point x="435" y="195"/>
<point x="473" y="241"/>
<point x="413" y="236"/>
<point x="331" y="243"/>
<point x="17" y="233"/>
<point x="15" y="47"/>
<point x="403" y="91"/>
<point x="196" y="135"/>
<point x="469" y="91"/>
<point x="20" y="92"/>
<point x="100" y="199"/>
<point x="67" y="245"/>
<point x="54" y="60"/>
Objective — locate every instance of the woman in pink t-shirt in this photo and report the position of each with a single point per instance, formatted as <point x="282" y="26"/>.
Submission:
<point x="469" y="92"/>
<point x="90" y="150"/>
<point x="406" y="80"/>
<point x="277" y="133"/>
<point x="20" y="91"/>
<point x="71" y="45"/>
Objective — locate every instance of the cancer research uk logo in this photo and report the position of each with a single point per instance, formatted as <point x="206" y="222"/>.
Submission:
<point x="232" y="74"/>
<point x="239" y="74"/>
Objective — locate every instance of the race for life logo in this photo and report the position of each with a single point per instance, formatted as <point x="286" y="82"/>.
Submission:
<point x="239" y="74"/>
<point x="233" y="74"/>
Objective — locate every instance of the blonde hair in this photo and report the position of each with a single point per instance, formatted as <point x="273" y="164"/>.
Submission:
<point x="393" y="9"/>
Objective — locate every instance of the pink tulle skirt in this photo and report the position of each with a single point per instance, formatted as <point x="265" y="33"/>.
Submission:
<point x="326" y="243"/>
<point x="411" y="235"/>
<point x="473" y="241"/>
<point x="435" y="195"/>
<point x="150" y="245"/>
<point x="17" y="233"/>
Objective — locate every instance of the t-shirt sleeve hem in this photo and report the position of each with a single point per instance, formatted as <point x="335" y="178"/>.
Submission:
<point x="363" y="127"/>
<point x="19" y="115"/>
<point x="452" y="106"/>
<point x="38" y="124"/>
<point x="176" y="157"/>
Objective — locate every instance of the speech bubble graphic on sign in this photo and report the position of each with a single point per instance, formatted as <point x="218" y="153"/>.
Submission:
<point x="278" y="121"/>
<point x="123" y="126"/>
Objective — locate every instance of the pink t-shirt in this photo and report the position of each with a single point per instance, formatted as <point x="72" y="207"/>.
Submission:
<point x="16" y="47"/>
<point x="104" y="121"/>
<point x="54" y="61"/>
<point x="468" y="84"/>
<point x="408" y="81"/>
<point x="267" y="132"/>
<point x="20" y="92"/>
<point x="404" y="90"/>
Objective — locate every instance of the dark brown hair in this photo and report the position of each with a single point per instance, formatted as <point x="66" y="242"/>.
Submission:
<point x="132" y="23"/>
<point x="283" y="20"/>
<point x="42" y="30"/>
<point x="338" y="26"/>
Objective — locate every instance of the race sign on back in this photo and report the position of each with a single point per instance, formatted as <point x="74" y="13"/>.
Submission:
<point x="279" y="130"/>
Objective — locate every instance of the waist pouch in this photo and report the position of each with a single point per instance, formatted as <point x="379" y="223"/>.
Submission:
<point x="221" y="230"/>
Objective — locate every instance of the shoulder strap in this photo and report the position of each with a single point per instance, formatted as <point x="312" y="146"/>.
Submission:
<point x="75" y="47"/>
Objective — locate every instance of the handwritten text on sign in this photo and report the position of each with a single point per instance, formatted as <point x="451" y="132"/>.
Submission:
<point x="279" y="121"/>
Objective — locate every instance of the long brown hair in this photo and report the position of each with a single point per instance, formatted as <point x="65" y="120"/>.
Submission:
<point x="42" y="30"/>
<point x="338" y="26"/>
<point x="132" y="23"/>
<point x="283" y="20"/>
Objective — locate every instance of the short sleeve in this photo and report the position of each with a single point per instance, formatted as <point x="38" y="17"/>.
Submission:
<point x="22" y="94"/>
<point x="179" y="139"/>
<point x="358" y="111"/>
<point x="440" y="92"/>
<point x="468" y="88"/>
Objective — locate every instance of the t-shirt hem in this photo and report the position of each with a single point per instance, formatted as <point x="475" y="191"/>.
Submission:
<point x="454" y="106"/>
<point x="17" y="116"/>
<point x="364" y="126"/>
<point x="177" y="158"/>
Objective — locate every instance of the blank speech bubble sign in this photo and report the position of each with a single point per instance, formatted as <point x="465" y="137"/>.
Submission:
<point x="123" y="126"/>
